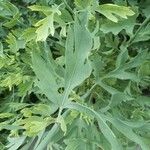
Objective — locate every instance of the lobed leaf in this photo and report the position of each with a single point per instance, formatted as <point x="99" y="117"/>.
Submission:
<point x="111" y="11"/>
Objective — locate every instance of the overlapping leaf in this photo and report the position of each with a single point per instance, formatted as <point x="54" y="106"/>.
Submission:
<point x="46" y="25"/>
<point x="78" y="46"/>
<point x="77" y="65"/>
<point x="111" y="11"/>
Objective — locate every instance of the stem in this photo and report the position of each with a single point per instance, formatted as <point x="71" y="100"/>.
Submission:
<point x="49" y="137"/>
<point x="63" y="102"/>
<point x="89" y="92"/>
<point x="146" y="21"/>
<point x="69" y="8"/>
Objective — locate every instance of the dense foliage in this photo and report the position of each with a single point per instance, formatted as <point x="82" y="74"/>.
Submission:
<point x="74" y="75"/>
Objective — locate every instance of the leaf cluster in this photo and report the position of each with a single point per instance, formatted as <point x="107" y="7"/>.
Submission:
<point x="74" y="75"/>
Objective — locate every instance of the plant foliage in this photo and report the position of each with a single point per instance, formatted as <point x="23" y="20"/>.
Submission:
<point x="75" y="75"/>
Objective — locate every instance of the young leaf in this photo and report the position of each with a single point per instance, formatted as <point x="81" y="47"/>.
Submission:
<point x="63" y="126"/>
<point x="110" y="11"/>
<point x="46" y="25"/>
<point x="45" y="9"/>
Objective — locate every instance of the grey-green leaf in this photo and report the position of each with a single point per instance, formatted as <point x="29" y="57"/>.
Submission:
<point x="107" y="132"/>
<point x="78" y="46"/>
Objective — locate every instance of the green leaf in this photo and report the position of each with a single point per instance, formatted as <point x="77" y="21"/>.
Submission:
<point x="129" y="133"/>
<point x="123" y="75"/>
<point x="11" y="80"/>
<point x="47" y="77"/>
<point x="15" y="143"/>
<point x="122" y="57"/>
<point x="29" y="34"/>
<point x="24" y="88"/>
<point x="1" y="49"/>
<point x="107" y="132"/>
<point x="34" y="124"/>
<point x="110" y="11"/>
<point x="13" y="21"/>
<point x="78" y="144"/>
<point x="83" y="3"/>
<point x="44" y="109"/>
<point x="118" y="98"/>
<point x="45" y="9"/>
<point x="78" y="46"/>
<point x="5" y="115"/>
<point x="14" y="43"/>
<point x="46" y="25"/>
<point x="116" y="27"/>
<point x="143" y="35"/>
<point x="7" y="9"/>
<point x="63" y="126"/>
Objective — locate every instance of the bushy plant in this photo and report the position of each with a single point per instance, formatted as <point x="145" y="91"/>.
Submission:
<point x="75" y="75"/>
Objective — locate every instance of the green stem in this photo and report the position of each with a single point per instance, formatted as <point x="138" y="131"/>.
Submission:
<point x="146" y="21"/>
<point x="69" y="8"/>
<point x="49" y="137"/>
<point x="89" y="92"/>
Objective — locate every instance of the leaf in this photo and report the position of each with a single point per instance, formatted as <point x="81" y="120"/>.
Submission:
<point x="13" y="21"/>
<point x="34" y="124"/>
<point x="122" y="57"/>
<point x="145" y="69"/>
<point x="1" y="49"/>
<point x="129" y="133"/>
<point x="5" y="115"/>
<point x="47" y="78"/>
<point x="63" y="126"/>
<point x="107" y="132"/>
<point x="108" y="88"/>
<point x="46" y="25"/>
<point x="24" y="88"/>
<point x="111" y="11"/>
<point x="12" y="79"/>
<point x="123" y="75"/>
<point x="15" y="143"/>
<point x="143" y="35"/>
<point x="45" y="9"/>
<point x="7" y="9"/>
<point x="44" y="109"/>
<point x="48" y="137"/>
<point x="78" y="46"/>
<point x="14" y="43"/>
<point x="137" y="61"/>
<point x="29" y="34"/>
<point x="83" y="3"/>
<point x="118" y="98"/>
<point x="76" y="71"/>
<point x="116" y="27"/>
<point x="77" y="144"/>
<point x="17" y="106"/>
